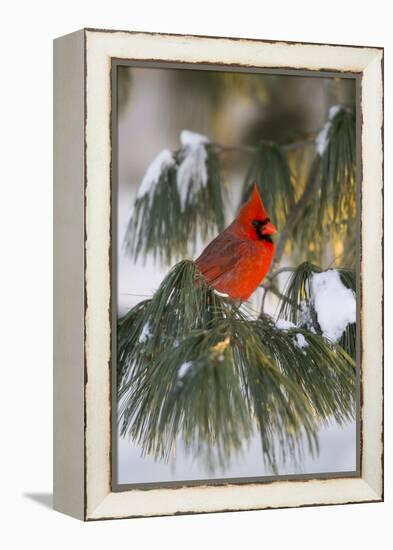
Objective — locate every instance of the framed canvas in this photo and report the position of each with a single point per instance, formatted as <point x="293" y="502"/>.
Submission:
<point x="218" y="267"/>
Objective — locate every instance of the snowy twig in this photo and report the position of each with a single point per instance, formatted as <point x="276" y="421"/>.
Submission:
<point x="272" y="276"/>
<point x="221" y="148"/>
<point x="268" y="287"/>
<point x="334" y="304"/>
<point x="322" y="139"/>
<point x="251" y="149"/>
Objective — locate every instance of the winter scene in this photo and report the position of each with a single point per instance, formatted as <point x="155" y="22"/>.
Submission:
<point x="235" y="275"/>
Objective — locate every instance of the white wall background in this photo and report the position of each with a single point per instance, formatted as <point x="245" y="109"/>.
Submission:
<point x="25" y="217"/>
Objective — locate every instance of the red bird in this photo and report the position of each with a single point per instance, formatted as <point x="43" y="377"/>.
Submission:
<point x="237" y="260"/>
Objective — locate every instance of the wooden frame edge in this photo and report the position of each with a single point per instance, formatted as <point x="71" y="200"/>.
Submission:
<point x="98" y="500"/>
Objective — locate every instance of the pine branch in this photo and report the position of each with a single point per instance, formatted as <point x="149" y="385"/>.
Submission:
<point x="224" y="148"/>
<point x="329" y="216"/>
<point x="183" y="199"/>
<point x="297" y="302"/>
<point x="275" y="274"/>
<point x="169" y="217"/>
<point x="270" y="287"/>
<point x="194" y="367"/>
<point x="298" y="209"/>
<point x="269" y="169"/>
<point x="327" y="206"/>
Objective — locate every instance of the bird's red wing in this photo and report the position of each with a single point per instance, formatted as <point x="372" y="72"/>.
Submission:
<point x="220" y="257"/>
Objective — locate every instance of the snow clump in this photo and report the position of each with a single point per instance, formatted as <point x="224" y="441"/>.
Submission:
<point x="300" y="341"/>
<point x="183" y="369"/>
<point x="145" y="334"/>
<point x="322" y="139"/>
<point x="334" y="304"/>
<point x="163" y="161"/>
<point x="192" y="172"/>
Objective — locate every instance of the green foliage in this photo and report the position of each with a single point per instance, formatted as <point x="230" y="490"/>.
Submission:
<point x="320" y="370"/>
<point x="194" y="368"/>
<point x="155" y="219"/>
<point x="270" y="170"/>
<point x="348" y="340"/>
<point x="160" y="225"/>
<point x="338" y="172"/>
<point x="329" y="216"/>
<point x="297" y="303"/>
<point x="215" y="87"/>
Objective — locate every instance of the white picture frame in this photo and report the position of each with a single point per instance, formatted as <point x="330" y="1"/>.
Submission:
<point x="82" y="335"/>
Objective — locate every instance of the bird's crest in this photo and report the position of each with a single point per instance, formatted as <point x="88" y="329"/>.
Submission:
<point x="253" y="209"/>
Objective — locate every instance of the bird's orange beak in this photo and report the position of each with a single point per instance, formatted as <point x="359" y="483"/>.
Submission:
<point x="269" y="229"/>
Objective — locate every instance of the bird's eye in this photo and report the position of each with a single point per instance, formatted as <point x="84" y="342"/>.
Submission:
<point x="260" y="223"/>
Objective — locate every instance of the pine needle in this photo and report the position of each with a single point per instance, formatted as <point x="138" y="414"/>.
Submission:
<point x="161" y="225"/>
<point x="296" y="304"/>
<point x="269" y="168"/>
<point x="193" y="367"/>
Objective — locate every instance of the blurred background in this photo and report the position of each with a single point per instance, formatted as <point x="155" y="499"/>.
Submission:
<point x="232" y="109"/>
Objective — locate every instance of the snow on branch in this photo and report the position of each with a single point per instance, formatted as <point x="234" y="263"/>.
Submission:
<point x="300" y="340"/>
<point x="334" y="304"/>
<point x="321" y="302"/>
<point x="179" y="198"/>
<point x="322" y="139"/>
<point x="162" y="162"/>
<point x="192" y="172"/>
<point x="187" y="345"/>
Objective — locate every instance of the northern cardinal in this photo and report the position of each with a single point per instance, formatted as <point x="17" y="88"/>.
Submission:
<point x="237" y="260"/>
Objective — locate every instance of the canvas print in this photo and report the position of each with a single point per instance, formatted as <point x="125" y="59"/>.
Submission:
<point x="235" y="262"/>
